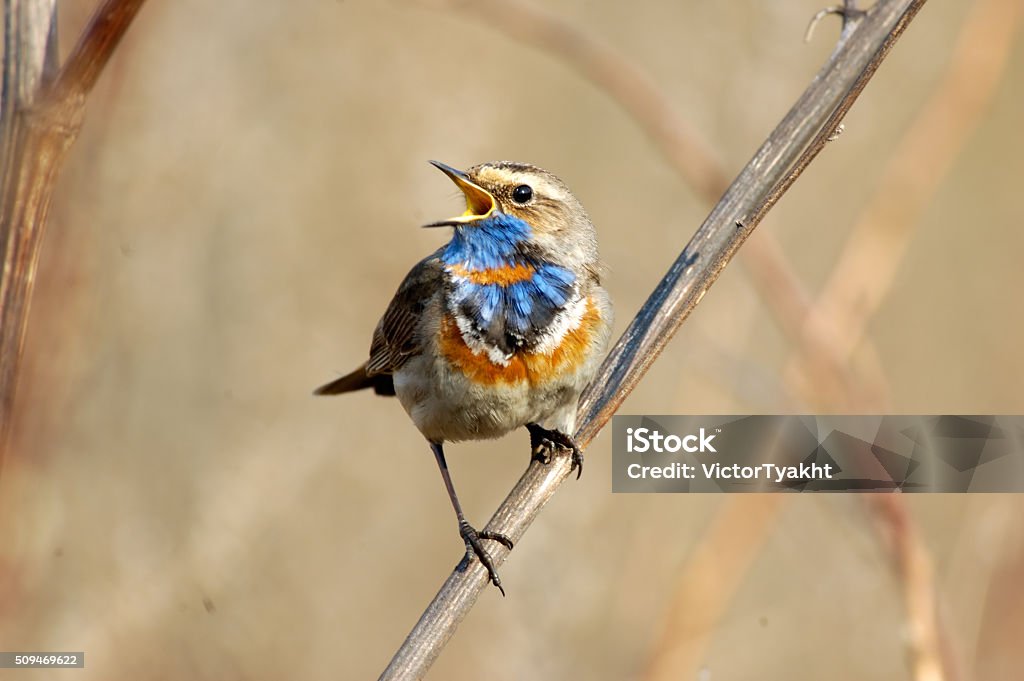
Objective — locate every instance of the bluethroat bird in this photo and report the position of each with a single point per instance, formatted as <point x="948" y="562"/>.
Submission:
<point x="502" y="327"/>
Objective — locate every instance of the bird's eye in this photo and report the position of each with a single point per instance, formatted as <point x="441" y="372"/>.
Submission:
<point x="522" y="193"/>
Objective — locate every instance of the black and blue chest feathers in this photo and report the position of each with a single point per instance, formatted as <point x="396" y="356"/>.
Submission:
<point x="500" y="288"/>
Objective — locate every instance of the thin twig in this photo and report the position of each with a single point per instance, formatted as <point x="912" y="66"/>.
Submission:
<point x="777" y="163"/>
<point x="38" y="127"/>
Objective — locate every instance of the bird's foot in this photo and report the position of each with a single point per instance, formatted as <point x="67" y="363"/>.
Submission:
<point x="473" y="546"/>
<point x="544" y="442"/>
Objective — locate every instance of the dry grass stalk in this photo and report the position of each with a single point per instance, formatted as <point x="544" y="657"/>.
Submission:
<point x="42" y="114"/>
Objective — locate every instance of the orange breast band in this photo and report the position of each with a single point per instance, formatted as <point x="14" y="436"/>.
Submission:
<point x="536" y="368"/>
<point x="506" y="275"/>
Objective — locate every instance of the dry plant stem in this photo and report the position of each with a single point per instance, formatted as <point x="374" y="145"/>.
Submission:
<point x="879" y="240"/>
<point x="639" y="96"/>
<point x="932" y="656"/>
<point x="29" y="51"/>
<point x="28" y="35"/>
<point x="40" y="122"/>
<point x="775" y="164"/>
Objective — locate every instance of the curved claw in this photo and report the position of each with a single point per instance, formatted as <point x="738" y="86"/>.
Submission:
<point x="544" y="442"/>
<point x="472" y="538"/>
<point x="577" y="462"/>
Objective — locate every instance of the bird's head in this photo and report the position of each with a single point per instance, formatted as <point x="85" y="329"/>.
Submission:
<point x="520" y="200"/>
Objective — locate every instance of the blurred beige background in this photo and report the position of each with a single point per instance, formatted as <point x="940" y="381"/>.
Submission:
<point x="243" y="200"/>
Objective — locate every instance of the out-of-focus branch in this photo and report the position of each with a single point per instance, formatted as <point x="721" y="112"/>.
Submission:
<point x="29" y="32"/>
<point x="922" y="160"/>
<point x="30" y="28"/>
<point x="95" y="46"/>
<point x="787" y="151"/>
<point x="640" y="97"/>
<point x="41" y="116"/>
<point x="708" y="582"/>
<point x="932" y="657"/>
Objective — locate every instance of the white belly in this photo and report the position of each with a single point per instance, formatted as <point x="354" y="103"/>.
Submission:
<point x="447" y="406"/>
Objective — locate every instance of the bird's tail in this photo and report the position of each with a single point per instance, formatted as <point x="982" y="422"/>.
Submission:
<point x="382" y="384"/>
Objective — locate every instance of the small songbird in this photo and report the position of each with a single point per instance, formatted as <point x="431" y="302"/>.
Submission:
<point x="502" y="327"/>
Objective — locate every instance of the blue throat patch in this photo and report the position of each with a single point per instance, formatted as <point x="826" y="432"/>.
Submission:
<point x="510" y="316"/>
<point x="487" y="244"/>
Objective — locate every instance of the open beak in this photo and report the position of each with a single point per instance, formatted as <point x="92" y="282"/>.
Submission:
<point x="480" y="203"/>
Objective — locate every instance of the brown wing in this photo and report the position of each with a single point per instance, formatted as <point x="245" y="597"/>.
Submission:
<point x="397" y="336"/>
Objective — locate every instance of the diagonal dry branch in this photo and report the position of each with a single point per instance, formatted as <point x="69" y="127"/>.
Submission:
<point x="785" y="154"/>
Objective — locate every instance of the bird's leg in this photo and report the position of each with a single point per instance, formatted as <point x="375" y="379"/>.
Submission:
<point x="470" y="535"/>
<point x="543" y="442"/>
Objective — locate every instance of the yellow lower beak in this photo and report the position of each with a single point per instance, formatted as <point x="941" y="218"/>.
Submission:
<point x="480" y="203"/>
